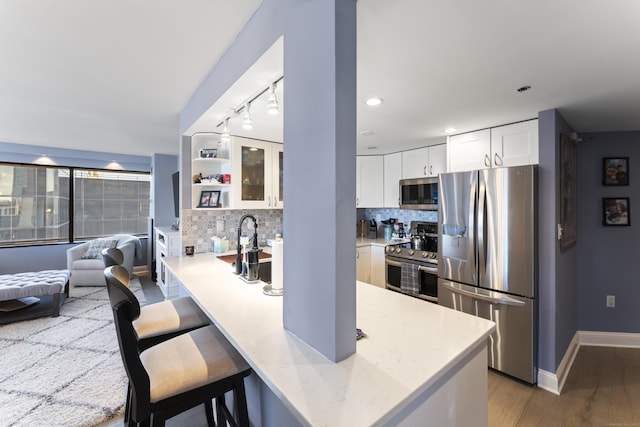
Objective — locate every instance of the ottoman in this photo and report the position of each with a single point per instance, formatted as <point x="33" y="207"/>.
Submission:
<point x="52" y="285"/>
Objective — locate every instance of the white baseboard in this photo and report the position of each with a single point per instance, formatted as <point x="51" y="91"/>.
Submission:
<point x="609" y="339"/>
<point x="554" y="382"/>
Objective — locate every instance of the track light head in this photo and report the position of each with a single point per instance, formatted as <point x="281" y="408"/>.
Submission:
<point x="247" y="121"/>
<point x="226" y="137"/>
<point x="272" y="101"/>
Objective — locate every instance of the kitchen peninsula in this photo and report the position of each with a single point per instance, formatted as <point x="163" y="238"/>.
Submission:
<point x="420" y="364"/>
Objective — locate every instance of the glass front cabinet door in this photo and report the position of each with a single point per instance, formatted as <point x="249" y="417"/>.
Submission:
<point x="255" y="167"/>
<point x="278" y="168"/>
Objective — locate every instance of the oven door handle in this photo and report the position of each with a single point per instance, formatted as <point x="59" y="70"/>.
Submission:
<point x="433" y="270"/>
<point x="503" y="301"/>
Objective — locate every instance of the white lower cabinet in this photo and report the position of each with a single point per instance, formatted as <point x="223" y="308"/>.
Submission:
<point x="363" y="264"/>
<point x="377" y="266"/>
<point x="370" y="265"/>
<point x="167" y="244"/>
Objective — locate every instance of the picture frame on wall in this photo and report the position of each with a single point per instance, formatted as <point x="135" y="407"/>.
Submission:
<point x="615" y="171"/>
<point x="568" y="192"/>
<point x="616" y="211"/>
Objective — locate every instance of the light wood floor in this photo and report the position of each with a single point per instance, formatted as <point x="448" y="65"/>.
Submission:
<point x="602" y="389"/>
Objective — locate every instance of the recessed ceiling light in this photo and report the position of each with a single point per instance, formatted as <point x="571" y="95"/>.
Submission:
<point x="449" y="130"/>
<point x="366" y="132"/>
<point x="374" y="101"/>
<point x="523" y="88"/>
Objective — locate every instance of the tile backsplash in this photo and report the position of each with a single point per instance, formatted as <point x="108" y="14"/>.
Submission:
<point x="404" y="216"/>
<point x="199" y="226"/>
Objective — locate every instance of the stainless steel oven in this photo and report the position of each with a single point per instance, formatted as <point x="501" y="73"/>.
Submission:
<point x="425" y="257"/>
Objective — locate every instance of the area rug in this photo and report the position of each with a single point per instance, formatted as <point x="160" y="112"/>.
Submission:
<point x="65" y="370"/>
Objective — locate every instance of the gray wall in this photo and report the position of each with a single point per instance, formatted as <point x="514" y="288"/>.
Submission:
<point x="54" y="256"/>
<point x="609" y="256"/>
<point x="319" y="53"/>
<point x="163" y="166"/>
<point x="557" y="280"/>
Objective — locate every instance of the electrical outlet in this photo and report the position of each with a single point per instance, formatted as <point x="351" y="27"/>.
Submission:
<point x="220" y="225"/>
<point x="611" y="301"/>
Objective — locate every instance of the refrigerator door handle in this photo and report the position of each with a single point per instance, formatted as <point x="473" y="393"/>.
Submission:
<point x="482" y="201"/>
<point x="471" y="253"/>
<point x="505" y="300"/>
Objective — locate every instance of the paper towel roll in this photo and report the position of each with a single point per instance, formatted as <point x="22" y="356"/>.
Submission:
<point x="277" y="257"/>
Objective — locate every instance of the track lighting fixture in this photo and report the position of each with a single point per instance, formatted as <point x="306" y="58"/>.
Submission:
<point x="247" y="121"/>
<point x="244" y="109"/>
<point x="272" y="101"/>
<point x="225" y="137"/>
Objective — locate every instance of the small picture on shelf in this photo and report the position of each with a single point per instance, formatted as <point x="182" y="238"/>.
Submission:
<point x="209" y="153"/>
<point x="214" y="199"/>
<point x="205" y="198"/>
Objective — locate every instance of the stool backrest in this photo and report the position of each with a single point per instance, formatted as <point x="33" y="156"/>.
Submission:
<point x="126" y="309"/>
<point x="112" y="256"/>
<point x="117" y="278"/>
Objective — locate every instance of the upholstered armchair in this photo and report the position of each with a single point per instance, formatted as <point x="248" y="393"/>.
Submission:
<point x="85" y="263"/>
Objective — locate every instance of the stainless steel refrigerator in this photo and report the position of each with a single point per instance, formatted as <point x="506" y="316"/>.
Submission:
<point x="487" y="267"/>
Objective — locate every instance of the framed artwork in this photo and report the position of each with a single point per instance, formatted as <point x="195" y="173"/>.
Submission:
<point x="214" y="199"/>
<point x="615" y="211"/>
<point x="615" y="171"/>
<point x="568" y="201"/>
<point x="205" y="197"/>
<point x="209" y="153"/>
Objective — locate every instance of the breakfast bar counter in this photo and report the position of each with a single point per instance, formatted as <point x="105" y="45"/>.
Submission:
<point x="420" y="364"/>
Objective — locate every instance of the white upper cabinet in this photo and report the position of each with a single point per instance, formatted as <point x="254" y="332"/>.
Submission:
<point x="415" y="163"/>
<point x="515" y="144"/>
<point x="437" y="159"/>
<point x="424" y="162"/>
<point x="277" y="188"/>
<point x="369" y="181"/>
<point x="510" y="145"/>
<point x="256" y="175"/>
<point x="392" y="177"/>
<point x="469" y="151"/>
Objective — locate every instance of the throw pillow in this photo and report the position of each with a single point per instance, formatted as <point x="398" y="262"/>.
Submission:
<point x="96" y="247"/>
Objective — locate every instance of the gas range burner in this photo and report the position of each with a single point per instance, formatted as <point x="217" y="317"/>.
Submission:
<point x="404" y="251"/>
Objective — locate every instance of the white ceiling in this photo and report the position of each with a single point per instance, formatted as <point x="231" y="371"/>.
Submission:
<point x="113" y="76"/>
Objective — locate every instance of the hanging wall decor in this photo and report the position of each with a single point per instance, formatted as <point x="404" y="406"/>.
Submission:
<point x="615" y="171"/>
<point x="568" y="201"/>
<point x="616" y="211"/>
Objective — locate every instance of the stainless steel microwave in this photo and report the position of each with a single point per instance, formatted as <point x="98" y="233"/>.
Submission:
<point x="419" y="193"/>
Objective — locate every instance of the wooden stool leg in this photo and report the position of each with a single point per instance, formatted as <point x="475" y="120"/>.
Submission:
<point x="220" y="415"/>
<point x="208" y="408"/>
<point x="240" y="401"/>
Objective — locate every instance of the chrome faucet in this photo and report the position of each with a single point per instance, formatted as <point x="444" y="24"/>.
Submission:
<point x="255" y="240"/>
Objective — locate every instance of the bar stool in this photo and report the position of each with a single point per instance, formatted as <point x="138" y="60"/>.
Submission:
<point x="162" y="320"/>
<point x="179" y="373"/>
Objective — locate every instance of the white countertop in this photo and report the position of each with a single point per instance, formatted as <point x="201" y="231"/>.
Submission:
<point x="365" y="241"/>
<point x="410" y="345"/>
